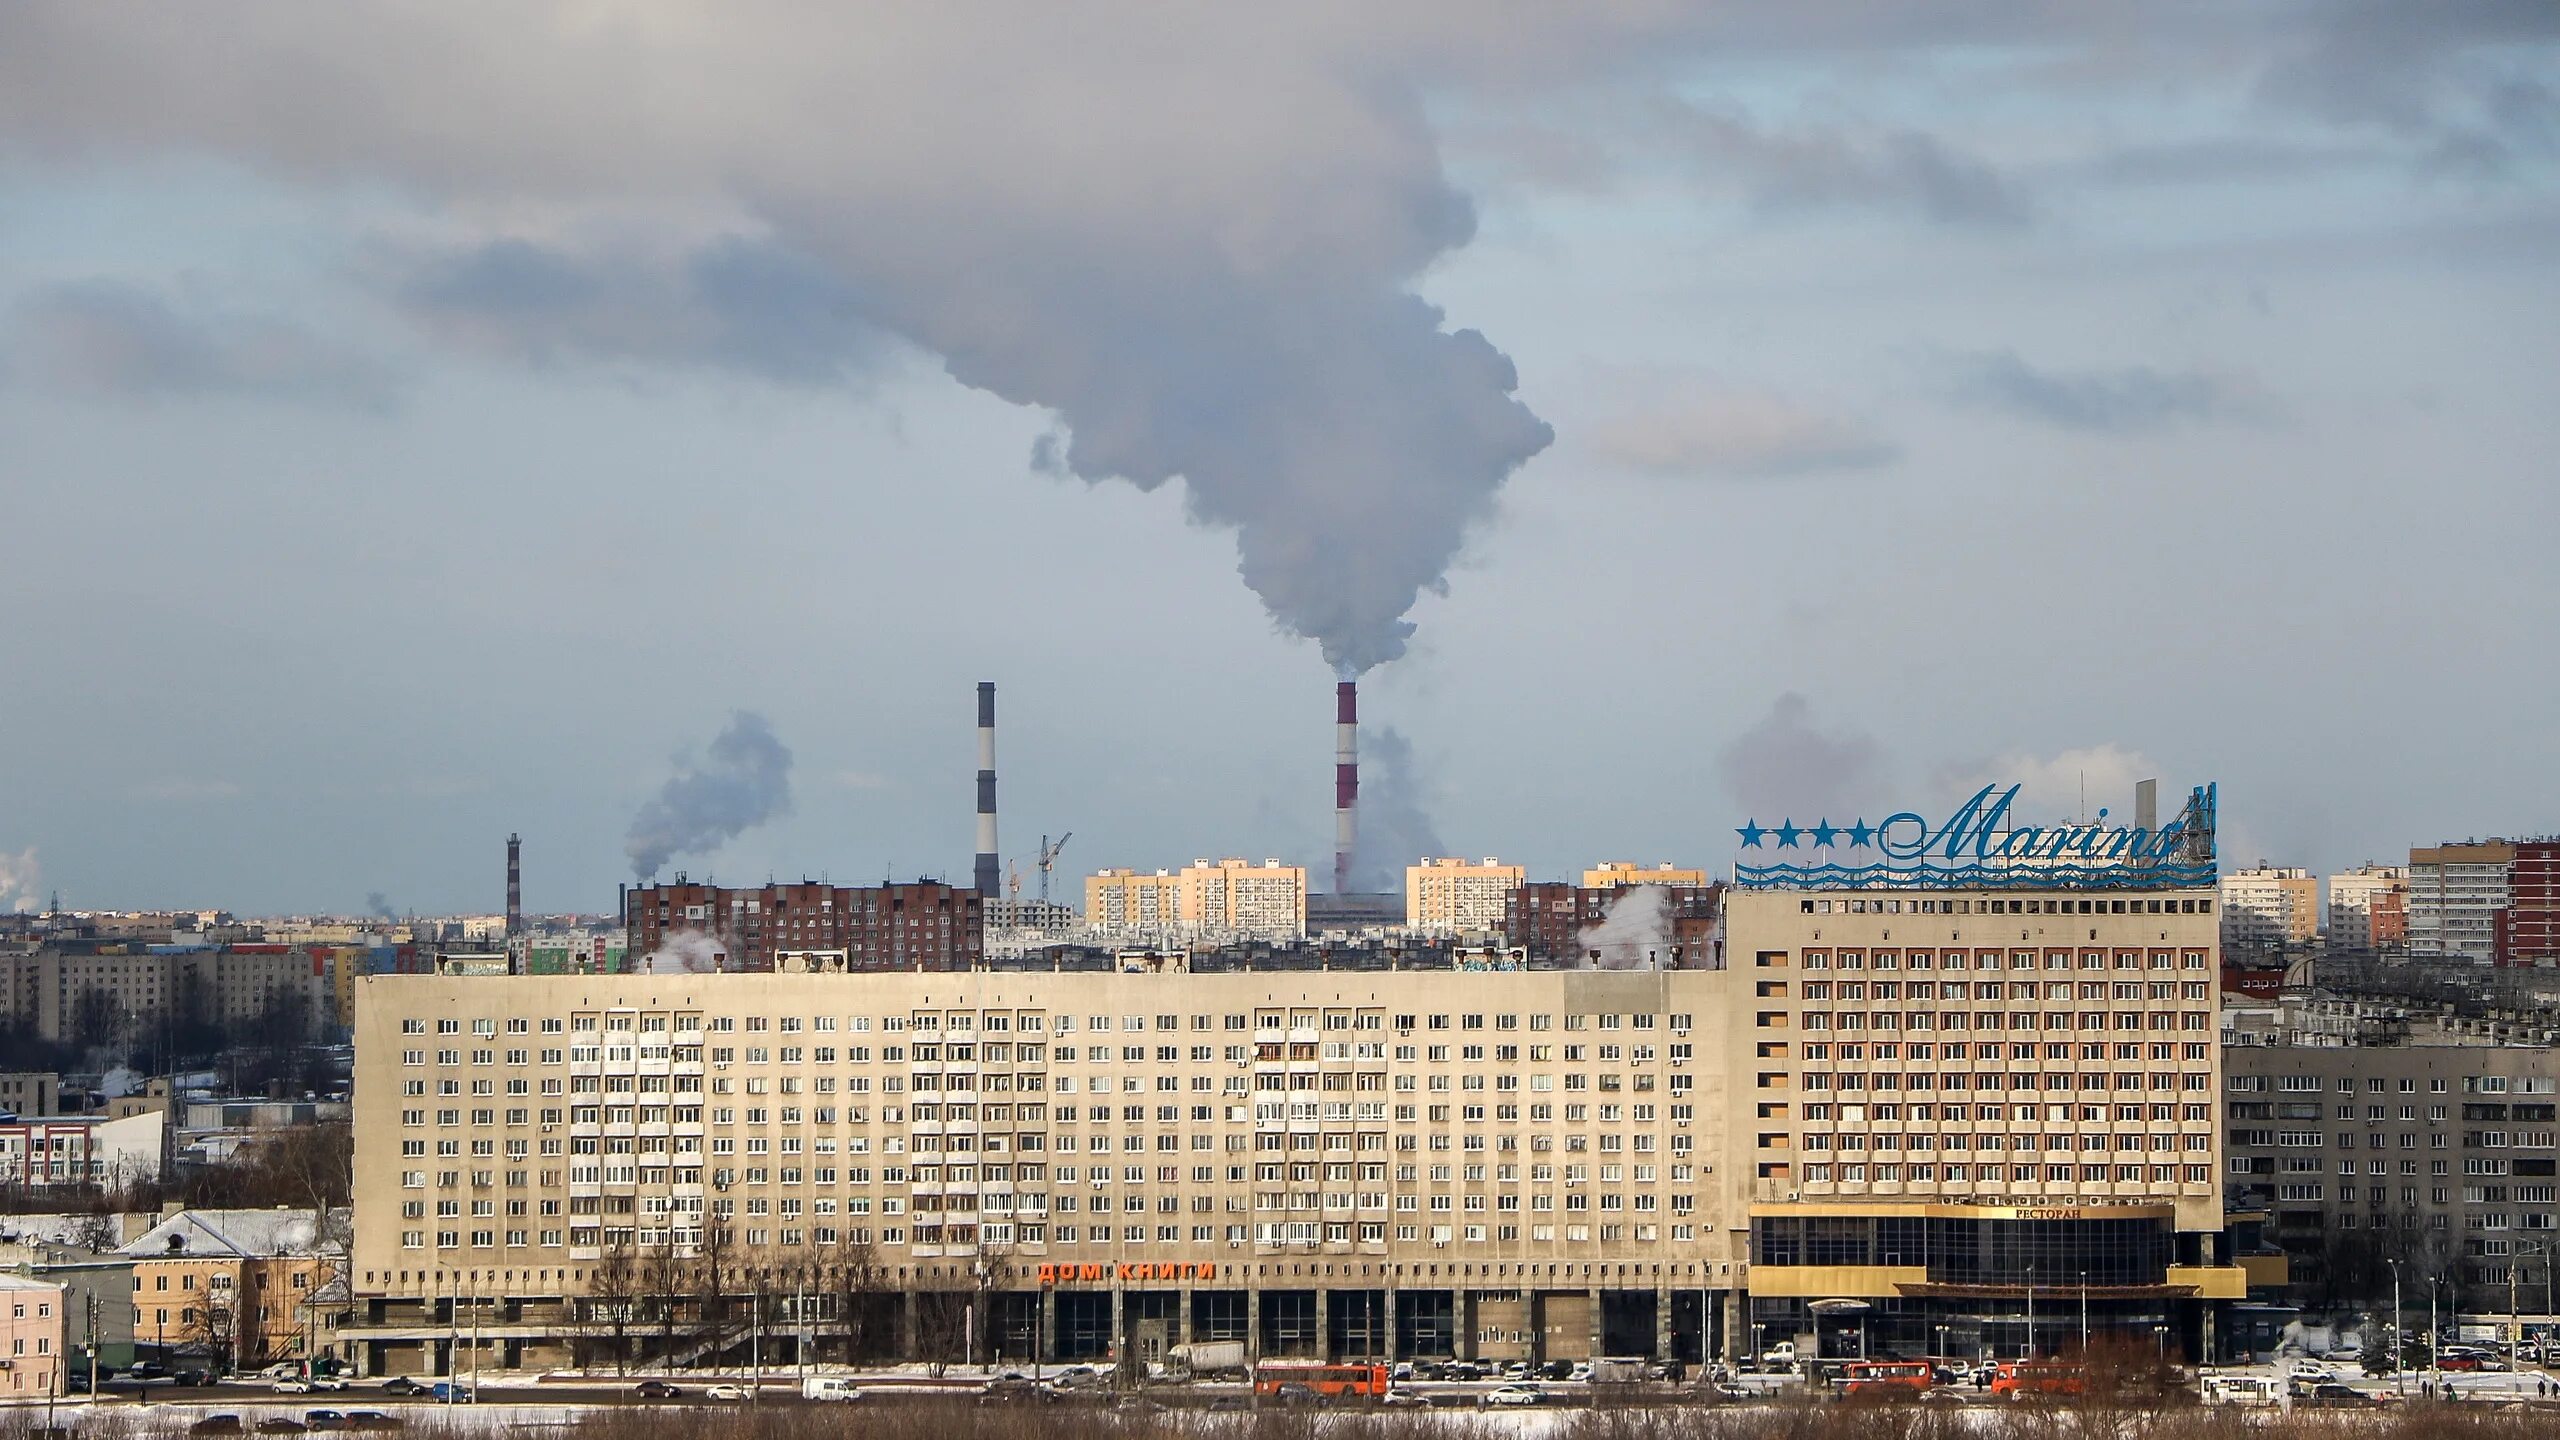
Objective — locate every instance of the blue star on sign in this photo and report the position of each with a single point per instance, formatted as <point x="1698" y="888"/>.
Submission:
<point x="1824" y="832"/>
<point x="1788" y="830"/>
<point x="1751" y="831"/>
<point x="1862" y="832"/>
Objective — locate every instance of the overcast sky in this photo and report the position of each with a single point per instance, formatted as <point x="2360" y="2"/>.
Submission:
<point x="423" y="422"/>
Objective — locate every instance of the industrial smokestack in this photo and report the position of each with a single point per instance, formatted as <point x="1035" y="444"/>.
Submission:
<point x="986" y="868"/>
<point x="515" y="885"/>
<point x="1346" y="781"/>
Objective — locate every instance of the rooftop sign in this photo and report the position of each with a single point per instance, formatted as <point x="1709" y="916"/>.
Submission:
<point x="1979" y="847"/>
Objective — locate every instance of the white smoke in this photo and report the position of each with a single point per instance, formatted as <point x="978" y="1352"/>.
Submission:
<point x="1633" y="934"/>
<point x="20" y="880"/>
<point x="683" y="952"/>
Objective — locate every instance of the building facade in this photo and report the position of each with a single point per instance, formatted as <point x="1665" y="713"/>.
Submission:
<point x="1207" y="898"/>
<point x="31" y="1331"/>
<point x="917" y="925"/>
<point x="1907" y="1101"/>
<point x="2270" y="906"/>
<point x="30" y="1092"/>
<point x="2458" y="899"/>
<point x="1458" y="897"/>
<point x="2369" y="908"/>
<point x="1548" y="918"/>
<point x="82" y="1152"/>
<point x="2373" y="1142"/>
<point x="123" y="994"/>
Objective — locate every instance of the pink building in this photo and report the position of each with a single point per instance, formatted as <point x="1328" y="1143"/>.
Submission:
<point x="30" y="1338"/>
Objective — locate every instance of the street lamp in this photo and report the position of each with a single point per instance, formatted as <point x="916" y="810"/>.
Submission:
<point x="2084" y="1315"/>
<point x="2030" y="1352"/>
<point x="2399" y="1337"/>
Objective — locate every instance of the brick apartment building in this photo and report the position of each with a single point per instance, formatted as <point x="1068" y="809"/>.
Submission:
<point x="919" y="925"/>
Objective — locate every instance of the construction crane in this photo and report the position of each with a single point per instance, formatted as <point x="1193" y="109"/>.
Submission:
<point x="1049" y="859"/>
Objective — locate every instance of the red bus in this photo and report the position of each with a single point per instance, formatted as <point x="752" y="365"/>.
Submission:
<point x="1898" y="1378"/>
<point x="2018" y="1379"/>
<point x="1368" y="1382"/>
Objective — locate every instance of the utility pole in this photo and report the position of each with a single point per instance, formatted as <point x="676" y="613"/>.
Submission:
<point x="2399" y="1337"/>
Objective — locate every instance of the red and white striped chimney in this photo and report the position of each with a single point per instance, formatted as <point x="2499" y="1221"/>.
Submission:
<point x="1346" y="781"/>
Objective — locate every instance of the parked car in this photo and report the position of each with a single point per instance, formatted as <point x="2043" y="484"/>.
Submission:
<point x="1016" y="1392"/>
<point x="1400" y="1371"/>
<point x="1074" y="1375"/>
<point x="281" y="1425"/>
<point x="371" y="1420"/>
<point x="323" y="1420"/>
<point x="1516" y="1370"/>
<point x="225" y="1424"/>
<point x="2339" y="1397"/>
<point x="656" y="1390"/>
<point x="1509" y="1395"/>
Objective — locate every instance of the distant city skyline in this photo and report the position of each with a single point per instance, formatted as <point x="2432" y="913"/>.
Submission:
<point x="422" y="429"/>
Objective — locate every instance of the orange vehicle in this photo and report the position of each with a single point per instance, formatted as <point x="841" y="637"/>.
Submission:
<point x="2019" y="1379"/>
<point x="1367" y="1382"/>
<point x="1897" y="1378"/>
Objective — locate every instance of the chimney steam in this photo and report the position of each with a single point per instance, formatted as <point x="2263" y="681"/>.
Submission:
<point x="515" y="886"/>
<point x="986" y="866"/>
<point x="1346" y="781"/>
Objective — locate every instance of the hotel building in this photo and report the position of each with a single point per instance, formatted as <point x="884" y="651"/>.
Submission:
<point x="1893" y="1120"/>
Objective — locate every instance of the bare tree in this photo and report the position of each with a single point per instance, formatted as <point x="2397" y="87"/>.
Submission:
<point x="613" y="1285"/>
<point x="858" y="1282"/>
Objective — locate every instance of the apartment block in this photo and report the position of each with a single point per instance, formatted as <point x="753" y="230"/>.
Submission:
<point x="2458" y="899"/>
<point x="1207" y="898"/>
<point x="1458" y="897"/>
<point x="916" y="925"/>
<point x="2382" y="1140"/>
<point x="2270" y="906"/>
<point x="2369" y="908"/>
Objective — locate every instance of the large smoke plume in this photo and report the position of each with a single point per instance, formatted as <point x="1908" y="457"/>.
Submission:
<point x="1634" y="933"/>
<point x="743" y="780"/>
<point x="1191" y="234"/>
<point x="682" y="952"/>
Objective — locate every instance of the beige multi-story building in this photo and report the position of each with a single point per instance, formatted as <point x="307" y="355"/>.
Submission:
<point x="2270" y="905"/>
<point x="1133" y="900"/>
<point x="1266" y="901"/>
<point x="1610" y="874"/>
<point x="1206" y="898"/>
<point x="31" y="1336"/>
<point x="1903" y="1098"/>
<point x="1458" y="897"/>
<point x="2369" y="907"/>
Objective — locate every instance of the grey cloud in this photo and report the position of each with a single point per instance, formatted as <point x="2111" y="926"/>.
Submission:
<point x="2467" y="82"/>
<point x="1815" y="167"/>
<point x="1789" y="765"/>
<point x="2135" y="398"/>
<point x="111" y="340"/>
<point x="1700" y="428"/>
<point x="732" y="304"/>
<point x="743" y="780"/>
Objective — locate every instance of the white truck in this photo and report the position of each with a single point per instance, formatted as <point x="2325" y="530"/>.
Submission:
<point x="1206" y="1360"/>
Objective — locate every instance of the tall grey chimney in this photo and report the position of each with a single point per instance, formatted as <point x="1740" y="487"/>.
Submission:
<point x="986" y="866"/>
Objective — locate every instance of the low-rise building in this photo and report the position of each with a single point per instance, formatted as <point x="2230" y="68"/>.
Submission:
<point x="30" y="1092"/>
<point x="236" y="1287"/>
<point x="30" y="1337"/>
<point x="82" y="1152"/>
